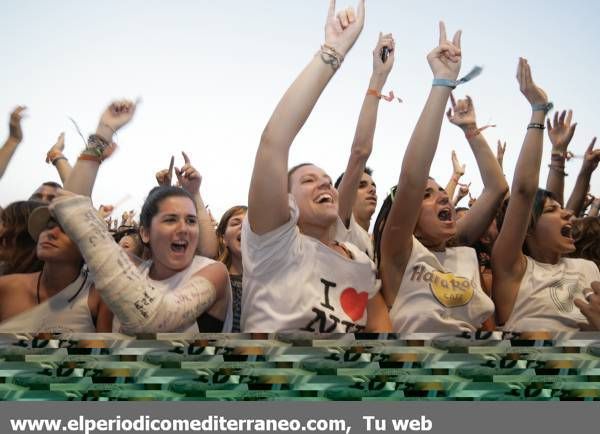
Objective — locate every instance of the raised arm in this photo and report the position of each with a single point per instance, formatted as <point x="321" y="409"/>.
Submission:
<point x="396" y="241"/>
<point x="508" y="261"/>
<point x="590" y="163"/>
<point x="458" y="170"/>
<point x="463" y="192"/>
<point x="190" y="180"/>
<point x="56" y="157"/>
<point x="365" y="129"/>
<point x="473" y="225"/>
<point x="15" y="137"/>
<point x="560" y="134"/>
<point x="100" y="146"/>
<point x="267" y="199"/>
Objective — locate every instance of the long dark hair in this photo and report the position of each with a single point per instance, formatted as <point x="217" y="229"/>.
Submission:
<point x="17" y="248"/>
<point x="537" y="209"/>
<point x="154" y="199"/>
<point x="380" y="222"/>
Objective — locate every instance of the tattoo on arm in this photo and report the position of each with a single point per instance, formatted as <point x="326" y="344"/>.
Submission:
<point x="330" y="59"/>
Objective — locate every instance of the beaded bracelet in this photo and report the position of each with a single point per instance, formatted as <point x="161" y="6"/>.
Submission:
<point x="536" y="126"/>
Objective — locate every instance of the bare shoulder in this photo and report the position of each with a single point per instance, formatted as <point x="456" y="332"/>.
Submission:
<point x="16" y="284"/>
<point x="17" y="294"/>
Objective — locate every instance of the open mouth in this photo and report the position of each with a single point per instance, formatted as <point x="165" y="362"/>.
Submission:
<point x="324" y="198"/>
<point x="445" y="215"/>
<point x="567" y="231"/>
<point x="179" y="246"/>
<point x="239" y="238"/>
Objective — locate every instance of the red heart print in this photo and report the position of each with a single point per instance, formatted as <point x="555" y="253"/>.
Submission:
<point x="354" y="303"/>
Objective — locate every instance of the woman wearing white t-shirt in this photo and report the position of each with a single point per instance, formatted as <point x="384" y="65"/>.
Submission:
<point x="429" y="286"/>
<point x="175" y="291"/>
<point x="535" y="288"/>
<point x="296" y="276"/>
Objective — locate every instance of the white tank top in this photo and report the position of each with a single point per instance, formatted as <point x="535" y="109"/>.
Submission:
<point x="440" y="292"/>
<point x="65" y="312"/>
<point x="178" y="280"/>
<point x="546" y="294"/>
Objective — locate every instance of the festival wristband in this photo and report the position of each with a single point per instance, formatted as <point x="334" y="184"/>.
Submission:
<point x="389" y="98"/>
<point x="542" y="107"/>
<point x="453" y="83"/>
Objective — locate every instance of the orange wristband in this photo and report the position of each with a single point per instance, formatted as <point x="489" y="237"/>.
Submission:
<point x="389" y="98"/>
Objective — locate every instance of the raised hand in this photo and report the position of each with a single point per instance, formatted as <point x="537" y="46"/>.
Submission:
<point x="342" y="29"/>
<point x="463" y="190"/>
<point x="591" y="307"/>
<point x="500" y="151"/>
<point x="561" y="131"/>
<point x="532" y="92"/>
<point x="56" y="149"/>
<point x="445" y="59"/>
<point x="163" y="177"/>
<point x="128" y="221"/>
<point x="116" y="115"/>
<point x="592" y="156"/>
<point x="14" y="125"/>
<point x="379" y="66"/>
<point x="588" y="200"/>
<point x="189" y="178"/>
<point x="457" y="168"/>
<point x="462" y="112"/>
<point x="105" y="211"/>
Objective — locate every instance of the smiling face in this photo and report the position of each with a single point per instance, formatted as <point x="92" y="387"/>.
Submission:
<point x="437" y="221"/>
<point x="315" y="196"/>
<point x="553" y="230"/>
<point x="172" y="236"/>
<point x="366" y="198"/>
<point x="232" y="238"/>
<point x="53" y="245"/>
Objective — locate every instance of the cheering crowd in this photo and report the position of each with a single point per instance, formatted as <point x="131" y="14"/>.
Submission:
<point x="299" y="256"/>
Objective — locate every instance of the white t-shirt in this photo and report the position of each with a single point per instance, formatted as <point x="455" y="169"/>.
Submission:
<point x="440" y="292"/>
<point x="546" y="294"/>
<point x="60" y="313"/>
<point x="293" y="282"/>
<point x="179" y="279"/>
<point x="354" y="234"/>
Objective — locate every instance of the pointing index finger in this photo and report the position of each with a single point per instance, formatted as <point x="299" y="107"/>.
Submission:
<point x="331" y="12"/>
<point x="170" y="173"/>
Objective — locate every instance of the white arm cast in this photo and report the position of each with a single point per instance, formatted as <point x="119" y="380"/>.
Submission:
<point x="139" y="305"/>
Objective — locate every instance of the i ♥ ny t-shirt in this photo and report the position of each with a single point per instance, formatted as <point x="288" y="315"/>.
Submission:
<point x="293" y="282"/>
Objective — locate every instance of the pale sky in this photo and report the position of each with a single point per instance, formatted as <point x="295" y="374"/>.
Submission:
<point x="211" y="72"/>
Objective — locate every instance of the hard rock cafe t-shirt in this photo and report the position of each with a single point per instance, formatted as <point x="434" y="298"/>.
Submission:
<point x="440" y="293"/>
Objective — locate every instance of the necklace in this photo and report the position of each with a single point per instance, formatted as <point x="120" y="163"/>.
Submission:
<point x="37" y="292"/>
